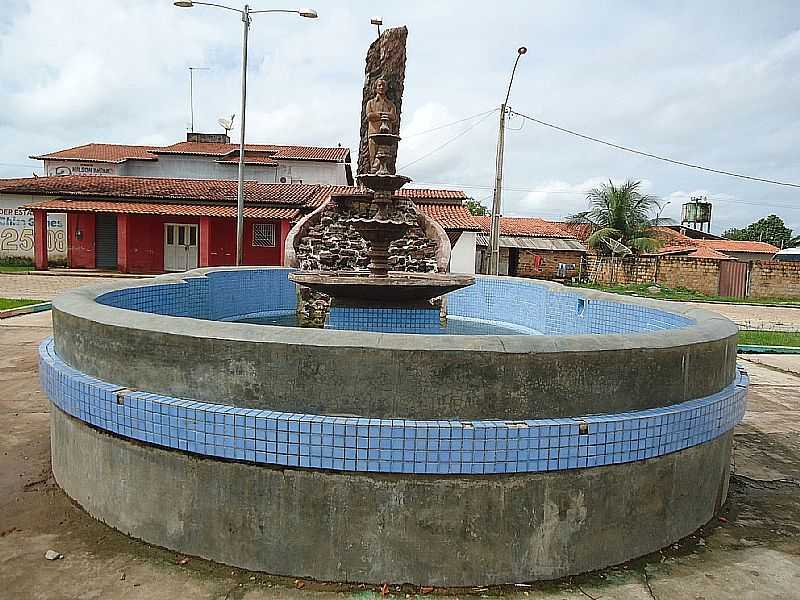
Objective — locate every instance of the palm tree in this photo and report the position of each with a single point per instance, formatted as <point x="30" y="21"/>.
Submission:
<point x="621" y="213"/>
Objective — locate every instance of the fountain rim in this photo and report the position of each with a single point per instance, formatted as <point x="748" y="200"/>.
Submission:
<point x="81" y="303"/>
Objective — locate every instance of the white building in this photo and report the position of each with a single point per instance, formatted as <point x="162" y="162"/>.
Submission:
<point x="205" y="156"/>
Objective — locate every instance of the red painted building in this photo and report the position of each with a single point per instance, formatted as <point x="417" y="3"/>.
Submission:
<point x="153" y="225"/>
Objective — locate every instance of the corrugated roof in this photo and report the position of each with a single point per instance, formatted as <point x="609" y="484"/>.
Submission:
<point x="154" y="208"/>
<point x="534" y="243"/>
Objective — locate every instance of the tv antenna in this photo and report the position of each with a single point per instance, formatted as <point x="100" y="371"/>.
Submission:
<point x="191" y="92"/>
<point x="617" y="248"/>
<point x="226" y="124"/>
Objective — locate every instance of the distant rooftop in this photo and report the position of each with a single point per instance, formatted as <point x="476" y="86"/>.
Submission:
<point x="261" y="153"/>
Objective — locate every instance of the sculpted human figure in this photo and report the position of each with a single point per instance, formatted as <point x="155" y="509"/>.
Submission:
<point x="377" y="107"/>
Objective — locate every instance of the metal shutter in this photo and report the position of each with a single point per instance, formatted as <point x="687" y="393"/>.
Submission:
<point x="105" y="240"/>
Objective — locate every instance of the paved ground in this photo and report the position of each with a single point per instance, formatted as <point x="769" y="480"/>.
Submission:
<point x="752" y="552"/>
<point x="780" y="318"/>
<point x="42" y="287"/>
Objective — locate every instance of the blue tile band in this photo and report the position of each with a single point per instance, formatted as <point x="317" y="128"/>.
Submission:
<point x="389" y="445"/>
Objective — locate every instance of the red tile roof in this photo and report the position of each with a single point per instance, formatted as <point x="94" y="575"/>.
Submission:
<point x="153" y="208"/>
<point x="738" y="246"/>
<point x="527" y="227"/>
<point x="690" y="251"/>
<point x="197" y="196"/>
<point x="703" y="252"/>
<point x="337" y="154"/>
<point x="450" y="216"/>
<point x="266" y="161"/>
<point x="117" y="153"/>
<point x="417" y="195"/>
<point x="209" y="190"/>
<point x="112" y="153"/>
<point x="430" y="196"/>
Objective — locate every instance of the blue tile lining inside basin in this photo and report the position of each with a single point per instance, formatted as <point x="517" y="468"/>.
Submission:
<point x="389" y="445"/>
<point x="522" y="303"/>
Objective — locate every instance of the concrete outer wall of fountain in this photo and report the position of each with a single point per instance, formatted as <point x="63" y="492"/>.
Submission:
<point x="442" y="529"/>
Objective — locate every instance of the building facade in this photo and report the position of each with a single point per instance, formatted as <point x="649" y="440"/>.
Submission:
<point x="201" y="156"/>
<point x="532" y="248"/>
<point x="155" y="225"/>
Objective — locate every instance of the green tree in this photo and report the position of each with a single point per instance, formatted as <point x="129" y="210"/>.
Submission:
<point x="624" y="214"/>
<point x="476" y="208"/>
<point x="770" y="229"/>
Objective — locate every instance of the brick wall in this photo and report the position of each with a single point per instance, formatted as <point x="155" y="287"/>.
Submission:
<point x="699" y="274"/>
<point x="546" y="265"/>
<point x="774" y="279"/>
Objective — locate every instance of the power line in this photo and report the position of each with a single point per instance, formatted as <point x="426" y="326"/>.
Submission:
<point x="584" y="192"/>
<point x="413" y="135"/>
<point x="448" y="142"/>
<point x="655" y="156"/>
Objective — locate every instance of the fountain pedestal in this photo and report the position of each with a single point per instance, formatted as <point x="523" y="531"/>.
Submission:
<point x="396" y="302"/>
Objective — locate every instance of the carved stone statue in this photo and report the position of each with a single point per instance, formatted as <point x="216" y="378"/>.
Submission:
<point x="386" y="59"/>
<point x="377" y="108"/>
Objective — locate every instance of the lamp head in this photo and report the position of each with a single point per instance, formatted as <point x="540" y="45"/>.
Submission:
<point x="184" y="3"/>
<point x="376" y="21"/>
<point x="521" y="50"/>
<point x="308" y="13"/>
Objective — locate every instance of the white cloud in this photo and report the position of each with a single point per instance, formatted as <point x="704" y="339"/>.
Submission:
<point x="697" y="82"/>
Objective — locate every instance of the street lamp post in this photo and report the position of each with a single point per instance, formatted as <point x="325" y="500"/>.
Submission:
<point x="246" y="20"/>
<point x="494" y="231"/>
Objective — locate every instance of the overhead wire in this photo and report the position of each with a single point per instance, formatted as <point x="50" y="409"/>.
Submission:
<point x="654" y="156"/>
<point x="446" y="125"/>
<point x="448" y="142"/>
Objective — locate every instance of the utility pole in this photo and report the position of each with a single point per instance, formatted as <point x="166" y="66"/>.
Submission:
<point x="191" y="92"/>
<point x="494" y="232"/>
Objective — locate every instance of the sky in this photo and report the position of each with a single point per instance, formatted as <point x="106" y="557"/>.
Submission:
<point x="715" y="83"/>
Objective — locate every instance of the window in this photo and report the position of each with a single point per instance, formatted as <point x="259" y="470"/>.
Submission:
<point x="264" y="235"/>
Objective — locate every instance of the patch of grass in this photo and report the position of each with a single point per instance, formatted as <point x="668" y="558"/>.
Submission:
<point x="15" y="265"/>
<point x="769" y="338"/>
<point x="680" y="294"/>
<point x="14" y="269"/>
<point x="7" y="303"/>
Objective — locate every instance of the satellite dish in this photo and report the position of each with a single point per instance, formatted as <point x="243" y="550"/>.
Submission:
<point x="226" y="124"/>
<point x="617" y="248"/>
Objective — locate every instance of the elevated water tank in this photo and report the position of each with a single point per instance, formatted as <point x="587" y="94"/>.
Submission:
<point x="696" y="214"/>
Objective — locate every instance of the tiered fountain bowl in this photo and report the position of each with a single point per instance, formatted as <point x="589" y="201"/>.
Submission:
<point x="378" y="287"/>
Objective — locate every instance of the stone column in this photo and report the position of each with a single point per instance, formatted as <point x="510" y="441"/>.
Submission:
<point x="40" y="239"/>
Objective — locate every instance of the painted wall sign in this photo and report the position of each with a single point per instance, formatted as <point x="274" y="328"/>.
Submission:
<point x="16" y="234"/>
<point x="80" y="169"/>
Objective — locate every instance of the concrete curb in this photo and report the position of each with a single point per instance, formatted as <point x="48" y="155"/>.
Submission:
<point x="754" y="349"/>
<point x="25" y="310"/>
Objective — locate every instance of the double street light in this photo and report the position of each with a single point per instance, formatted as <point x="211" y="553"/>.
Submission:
<point x="245" y="14"/>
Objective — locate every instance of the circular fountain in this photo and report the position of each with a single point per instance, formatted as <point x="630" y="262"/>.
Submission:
<point x="577" y="430"/>
<point x="360" y="456"/>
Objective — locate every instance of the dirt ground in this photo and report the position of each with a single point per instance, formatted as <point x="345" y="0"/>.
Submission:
<point x="751" y="552"/>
